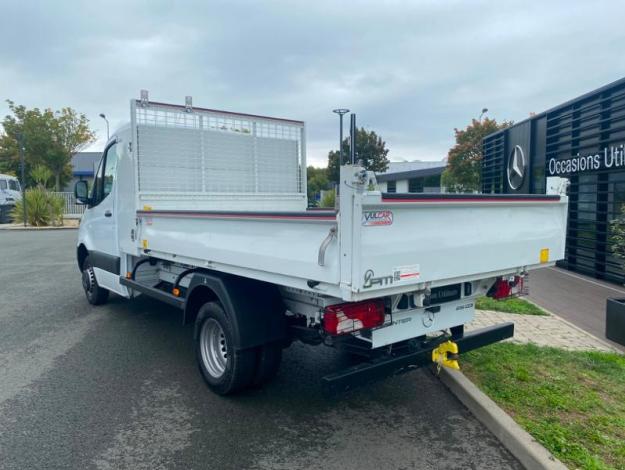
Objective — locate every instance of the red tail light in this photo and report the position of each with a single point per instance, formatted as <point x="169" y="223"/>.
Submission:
<point x="506" y="287"/>
<point x="347" y="318"/>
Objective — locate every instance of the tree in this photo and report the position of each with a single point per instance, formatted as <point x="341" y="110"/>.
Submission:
<point x="370" y="149"/>
<point x="73" y="134"/>
<point x="50" y="139"/>
<point x="464" y="160"/>
<point x="317" y="181"/>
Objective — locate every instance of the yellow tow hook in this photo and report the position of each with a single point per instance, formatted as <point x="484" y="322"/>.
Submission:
<point x="446" y="354"/>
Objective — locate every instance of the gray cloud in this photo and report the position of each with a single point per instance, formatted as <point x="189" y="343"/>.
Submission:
<point x="411" y="70"/>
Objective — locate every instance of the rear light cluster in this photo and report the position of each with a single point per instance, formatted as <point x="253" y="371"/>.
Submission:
<point x="506" y="287"/>
<point x="340" y="319"/>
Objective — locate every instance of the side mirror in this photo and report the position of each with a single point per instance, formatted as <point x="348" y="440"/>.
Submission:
<point x="81" y="192"/>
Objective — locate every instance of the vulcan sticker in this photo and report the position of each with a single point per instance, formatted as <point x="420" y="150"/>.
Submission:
<point x="376" y="218"/>
<point x="407" y="273"/>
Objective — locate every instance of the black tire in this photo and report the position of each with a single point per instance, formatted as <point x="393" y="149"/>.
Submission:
<point x="5" y="214"/>
<point x="224" y="370"/>
<point x="268" y="358"/>
<point x="96" y="295"/>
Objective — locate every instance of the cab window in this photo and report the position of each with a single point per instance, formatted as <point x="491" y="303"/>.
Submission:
<point x="14" y="185"/>
<point x="105" y="176"/>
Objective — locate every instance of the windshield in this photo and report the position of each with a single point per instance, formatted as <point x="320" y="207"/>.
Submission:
<point x="14" y="185"/>
<point x="3" y="184"/>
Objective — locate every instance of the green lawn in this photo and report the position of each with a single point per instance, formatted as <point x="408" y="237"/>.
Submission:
<point x="511" y="305"/>
<point x="573" y="403"/>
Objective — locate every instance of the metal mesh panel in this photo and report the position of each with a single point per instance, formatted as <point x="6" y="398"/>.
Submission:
<point x="202" y="153"/>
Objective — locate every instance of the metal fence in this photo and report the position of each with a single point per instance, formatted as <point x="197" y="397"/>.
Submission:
<point x="72" y="208"/>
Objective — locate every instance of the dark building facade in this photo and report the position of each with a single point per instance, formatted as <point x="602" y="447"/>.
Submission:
<point x="582" y="140"/>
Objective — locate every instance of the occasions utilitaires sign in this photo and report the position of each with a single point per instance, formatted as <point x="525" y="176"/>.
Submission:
<point x="609" y="157"/>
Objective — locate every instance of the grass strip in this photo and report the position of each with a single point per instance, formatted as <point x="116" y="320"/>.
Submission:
<point x="511" y="305"/>
<point x="572" y="402"/>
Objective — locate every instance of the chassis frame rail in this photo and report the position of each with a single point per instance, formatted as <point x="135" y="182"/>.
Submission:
<point x="379" y="368"/>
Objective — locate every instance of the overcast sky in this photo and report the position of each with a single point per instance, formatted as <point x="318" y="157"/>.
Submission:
<point x="412" y="71"/>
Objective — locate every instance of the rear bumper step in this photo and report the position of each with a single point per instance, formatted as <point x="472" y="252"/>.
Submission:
<point x="381" y="367"/>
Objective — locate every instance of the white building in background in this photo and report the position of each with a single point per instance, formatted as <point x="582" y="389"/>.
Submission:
<point x="412" y="177"/>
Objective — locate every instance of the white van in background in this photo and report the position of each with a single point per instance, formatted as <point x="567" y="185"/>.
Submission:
<point x="10" y="193"/>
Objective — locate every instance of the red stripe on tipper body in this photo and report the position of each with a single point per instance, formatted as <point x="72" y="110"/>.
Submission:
<point x="467" y="200"/>
<point x="235" y="216"/>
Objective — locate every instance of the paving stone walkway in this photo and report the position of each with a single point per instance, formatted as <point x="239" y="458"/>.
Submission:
<point x="541" y="330"/>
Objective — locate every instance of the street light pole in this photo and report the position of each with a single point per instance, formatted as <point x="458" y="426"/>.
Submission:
<point x="20" y="143"/>
<point x="484" y="111"/>
<point x="341" y="112"/>
<point x="103" y="116"/>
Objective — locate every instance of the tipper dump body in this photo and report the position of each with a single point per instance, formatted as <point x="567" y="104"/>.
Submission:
<point x="207" y="211"/>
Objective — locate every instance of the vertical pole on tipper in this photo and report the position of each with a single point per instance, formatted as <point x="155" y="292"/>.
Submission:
<point x="352" y="134"/>
<point x="340" y="112"/>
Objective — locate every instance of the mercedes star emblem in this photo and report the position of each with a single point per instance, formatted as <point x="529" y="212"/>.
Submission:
<point x="516" y="168"/>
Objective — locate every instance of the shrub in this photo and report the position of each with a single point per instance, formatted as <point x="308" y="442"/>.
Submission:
<point x="328" y="199"/>
<point x="42" y="208"/>
<point x="42" y="175"/>
<point x="617" y="236"/>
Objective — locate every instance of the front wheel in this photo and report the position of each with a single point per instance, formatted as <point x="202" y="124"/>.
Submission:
<point x="96" y="295"/>
<point x="224" y="370"/>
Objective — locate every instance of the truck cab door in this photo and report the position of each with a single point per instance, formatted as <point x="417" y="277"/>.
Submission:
<point x="100" y="222"/>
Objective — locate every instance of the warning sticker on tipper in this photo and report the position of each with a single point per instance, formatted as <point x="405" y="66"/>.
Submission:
<point x="406" y="273"/>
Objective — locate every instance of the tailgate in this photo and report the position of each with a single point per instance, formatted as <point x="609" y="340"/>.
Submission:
<point x="411" y="239"/>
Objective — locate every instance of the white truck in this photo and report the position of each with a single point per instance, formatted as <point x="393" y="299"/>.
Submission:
<point x="9" y="195"/>
<point x="206" y="210"/>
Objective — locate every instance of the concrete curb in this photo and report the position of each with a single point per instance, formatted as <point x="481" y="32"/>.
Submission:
<point x="524" y="447"/>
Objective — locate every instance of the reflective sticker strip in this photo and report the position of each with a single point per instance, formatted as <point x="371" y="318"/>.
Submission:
<point x="407" y="273"/>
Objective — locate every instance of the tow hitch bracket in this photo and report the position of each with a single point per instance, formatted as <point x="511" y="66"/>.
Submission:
<point x="380" y="367"/>
<point x="446" y="355"/>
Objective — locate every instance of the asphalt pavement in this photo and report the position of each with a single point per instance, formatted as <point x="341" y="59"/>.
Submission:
<point x="116" y="386"/>
<point x="578" y="299"/>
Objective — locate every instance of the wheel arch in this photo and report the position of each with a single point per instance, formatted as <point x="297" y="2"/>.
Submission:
<point x="81" y="255"/>
<point x="255" y="307"/>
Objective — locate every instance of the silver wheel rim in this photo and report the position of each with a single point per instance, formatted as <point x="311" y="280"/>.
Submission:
<point x="88" y="280"/>
<point x="214" y="348"/>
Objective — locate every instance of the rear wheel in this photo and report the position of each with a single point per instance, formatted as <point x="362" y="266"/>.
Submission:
<point x="96" y="295"/>
<point x="224" y="370"/>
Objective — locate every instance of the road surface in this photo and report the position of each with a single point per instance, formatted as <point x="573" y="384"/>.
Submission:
<point x="579" y="299"/>
<point x="117" y="387"/>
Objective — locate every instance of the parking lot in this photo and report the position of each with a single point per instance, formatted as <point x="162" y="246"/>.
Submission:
<point x="116" y="387"/>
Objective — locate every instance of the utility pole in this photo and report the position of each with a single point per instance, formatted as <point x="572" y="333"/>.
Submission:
<point x="20" y="143"/>
<point x="103" y="116"/>
<point x="341" y="112"/>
